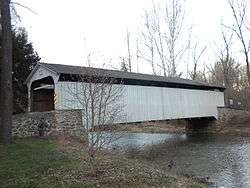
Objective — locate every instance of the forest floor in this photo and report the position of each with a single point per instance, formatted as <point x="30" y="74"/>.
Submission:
<point x="36" y="162"/>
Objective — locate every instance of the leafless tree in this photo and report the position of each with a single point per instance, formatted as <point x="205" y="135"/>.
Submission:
<point x="126" y="61"/>
<point x="148" y="40"/>
<point x="99" y="96"/>
<point x="195" y="59"/>
<point x="162" y="35"/>
<point x="129" y="52"/>
<point x="6" y="73"/>
<point x="226" y="65"/>
<point x="137" y="56"/>
<point x="241" y="27"/>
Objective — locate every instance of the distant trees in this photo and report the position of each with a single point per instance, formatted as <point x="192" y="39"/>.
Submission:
<point x="6" y="73"/>
<point x="233" y="76"/>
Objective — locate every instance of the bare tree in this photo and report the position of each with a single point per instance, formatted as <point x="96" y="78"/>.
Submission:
<point x="162" y="35"/>
<point x="226" y="65"/>
<point x="129" y="52"/>
<point x="99" y="96"/>
<point x="137" y="56"/>
<point x="241" y="27"/>
<point x="175" y="17"/>
<point x="148" y="40"/>
<point x="195" y="59"/>
<point x="6" y="73"/>
<point x="126" y="61"/>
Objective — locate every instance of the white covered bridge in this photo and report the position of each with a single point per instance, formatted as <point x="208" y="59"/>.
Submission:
<point x="145" y="97"/>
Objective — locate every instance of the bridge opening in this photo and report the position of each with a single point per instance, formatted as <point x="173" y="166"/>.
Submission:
<point x="42" y="95"/>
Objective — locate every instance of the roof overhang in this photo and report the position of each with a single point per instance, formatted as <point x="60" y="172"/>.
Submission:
<point x="36" y="68"/>
<point x="71" y="73"/>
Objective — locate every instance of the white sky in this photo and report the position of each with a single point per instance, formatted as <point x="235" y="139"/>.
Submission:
<point x="63" y="32"/>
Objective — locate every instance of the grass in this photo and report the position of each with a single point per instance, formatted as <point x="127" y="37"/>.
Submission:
<point x="34" y="162"/>
<point x="27" y="162"/>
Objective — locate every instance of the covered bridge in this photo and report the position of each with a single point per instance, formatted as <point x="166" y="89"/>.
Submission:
<point x="146" y="97"/>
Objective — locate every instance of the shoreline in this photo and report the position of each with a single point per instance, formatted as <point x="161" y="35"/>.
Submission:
<point x="237" y="125"/>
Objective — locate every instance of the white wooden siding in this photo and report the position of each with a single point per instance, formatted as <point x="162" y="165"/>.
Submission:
<point x="145" y="103"/>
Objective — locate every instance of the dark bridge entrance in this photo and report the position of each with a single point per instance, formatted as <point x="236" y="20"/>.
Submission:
<point x="42" y="95"/>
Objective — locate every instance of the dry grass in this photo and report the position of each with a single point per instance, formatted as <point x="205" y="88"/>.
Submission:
<point x="34" y="162"/>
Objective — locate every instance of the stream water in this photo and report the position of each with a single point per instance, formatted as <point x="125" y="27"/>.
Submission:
<point x="222" y="159"/>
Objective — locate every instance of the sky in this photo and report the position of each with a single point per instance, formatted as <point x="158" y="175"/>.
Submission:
<point x="64" y="32"/>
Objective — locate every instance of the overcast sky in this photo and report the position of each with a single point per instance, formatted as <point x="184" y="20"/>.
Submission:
<point x="63" y="32"/>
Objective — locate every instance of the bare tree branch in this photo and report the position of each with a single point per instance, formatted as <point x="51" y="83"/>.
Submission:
<point x="239" y="12"/>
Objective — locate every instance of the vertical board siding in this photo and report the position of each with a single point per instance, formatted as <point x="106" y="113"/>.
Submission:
<point x="145" y="103"/>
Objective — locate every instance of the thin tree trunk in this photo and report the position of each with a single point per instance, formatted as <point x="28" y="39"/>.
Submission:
<point x="129" y="52"/>
<point x="248" y="68"/>
<point x="6" y="74"/>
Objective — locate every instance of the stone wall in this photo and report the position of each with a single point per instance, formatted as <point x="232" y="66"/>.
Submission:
<point x="57" y="122"/>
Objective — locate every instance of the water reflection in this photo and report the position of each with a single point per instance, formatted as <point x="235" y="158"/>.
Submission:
<point x="224" y="159"/>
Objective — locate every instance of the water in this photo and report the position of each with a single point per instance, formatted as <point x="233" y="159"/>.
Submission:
<point x="224" y="159"/>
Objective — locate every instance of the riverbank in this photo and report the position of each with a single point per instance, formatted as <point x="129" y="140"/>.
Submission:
<point x="167" y="126"/>
<point x="235" y="122"/>
<point x="35" y="162"/>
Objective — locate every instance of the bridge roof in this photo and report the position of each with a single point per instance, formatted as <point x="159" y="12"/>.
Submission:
<point x="132" y="78"/>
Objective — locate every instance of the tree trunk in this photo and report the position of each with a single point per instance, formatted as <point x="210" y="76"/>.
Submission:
<point x="6" y="74"/>
<point x="248" y="69"/>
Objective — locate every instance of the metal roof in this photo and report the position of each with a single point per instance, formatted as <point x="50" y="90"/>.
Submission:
<point x="80" y="70"/>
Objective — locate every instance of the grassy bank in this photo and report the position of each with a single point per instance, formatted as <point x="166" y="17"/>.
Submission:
<point x="34" y="162"/>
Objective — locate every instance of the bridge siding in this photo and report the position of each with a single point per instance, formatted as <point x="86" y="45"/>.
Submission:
<point x="146" y="103"/>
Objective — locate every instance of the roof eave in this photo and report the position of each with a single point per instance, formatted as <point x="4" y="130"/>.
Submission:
<point x="35" y="69"/>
